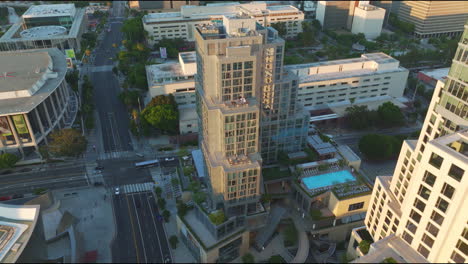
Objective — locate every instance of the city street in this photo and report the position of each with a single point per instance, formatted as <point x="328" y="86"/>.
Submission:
<point x="141" y="237"/>
<point x="122" y="171"/>
<point x="113" y="117"/>
<point x="54" y="176"/>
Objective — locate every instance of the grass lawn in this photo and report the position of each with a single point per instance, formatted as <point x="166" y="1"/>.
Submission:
<point x="274" y="173"/>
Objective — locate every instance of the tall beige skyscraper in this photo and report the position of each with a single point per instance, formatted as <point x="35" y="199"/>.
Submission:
<point x="246" y="102"/>
<point x="434" y="18"/>
<point x="419" y="214"/>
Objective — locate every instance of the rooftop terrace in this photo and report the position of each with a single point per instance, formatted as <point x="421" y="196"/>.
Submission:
<point x="43" y="31"/>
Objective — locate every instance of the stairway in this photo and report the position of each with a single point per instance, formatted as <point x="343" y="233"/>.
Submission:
<point x="267" y="231"/>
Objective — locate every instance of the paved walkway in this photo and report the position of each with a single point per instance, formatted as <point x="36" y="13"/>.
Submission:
<point x="303" y="249"/>
<point x="267" y="231"/>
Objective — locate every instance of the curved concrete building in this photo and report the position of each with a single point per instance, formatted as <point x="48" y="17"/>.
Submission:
<point x="34" y="98"/>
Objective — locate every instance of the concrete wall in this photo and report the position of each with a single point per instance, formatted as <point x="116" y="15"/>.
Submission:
<point x="368" y="22"/>
<point x="340" y="207"/>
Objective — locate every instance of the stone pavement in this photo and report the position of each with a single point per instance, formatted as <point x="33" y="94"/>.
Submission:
<point x="93" y="209"/>
<point x="181" y="254"/>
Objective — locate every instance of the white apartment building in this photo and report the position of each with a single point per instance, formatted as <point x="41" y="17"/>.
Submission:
<point x="418" y="215"/>
<point x="171" y="25"/>
<point x="368" y="19"/>
<point x="372" y="77"/>
<point x="176" y="78"/>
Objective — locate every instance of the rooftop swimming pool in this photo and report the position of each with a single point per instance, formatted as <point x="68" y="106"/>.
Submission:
<point x="319" y="181"/>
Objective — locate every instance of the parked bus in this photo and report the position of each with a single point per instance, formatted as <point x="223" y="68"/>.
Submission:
<point x="146" y="164"/>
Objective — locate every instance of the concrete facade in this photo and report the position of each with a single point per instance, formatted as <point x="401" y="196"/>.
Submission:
<point x="368" y="19"/>
<point x="37" y="18"/>
<point x="182" y="24"/>
<point x="33" y="109"/>
<point x="434" y="18"/>
<point x="421" y="206"/>
<point x="161" y="6"/>
<point x="373" y="77"/>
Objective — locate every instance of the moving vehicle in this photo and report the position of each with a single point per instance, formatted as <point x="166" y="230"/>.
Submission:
<point x="169" y="159"/>
<point x="117" y="190"/>
<point x="146" y="164"/>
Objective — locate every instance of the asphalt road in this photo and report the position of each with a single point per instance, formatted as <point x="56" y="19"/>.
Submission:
<point x="141" y="237"/>
<point x="122" y="171"/>
<point x="56" y="177"/>
<point x="113" y="117"/>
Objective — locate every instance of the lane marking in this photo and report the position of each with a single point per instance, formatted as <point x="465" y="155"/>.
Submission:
<point x="155" y="227"/>
<point x="139" y="227"/>
<point x="133" y="230"/>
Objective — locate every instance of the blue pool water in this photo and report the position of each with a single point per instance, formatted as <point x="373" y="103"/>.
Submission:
<point x="314" y="182"/>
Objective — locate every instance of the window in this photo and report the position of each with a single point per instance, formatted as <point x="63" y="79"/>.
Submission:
<point x="415" y="216"/>
<point x="436" y="217"/>
<point x="465" y="233"/>
<point x="424" y="192"/>
<point x="448" y="190"/>
<point x="424" y="251"/>
<point x="419" y="204"/>
<point x="429" y="178"/>
<point x="456" y="172"/>
<point x="432" y="229"/>
<point x="427" y="240"/>
<point x="442" y="205"/>
<point x="407" y="237"/>
<point x="355" y="206"/>
<point x="411" y="227"/>
<point x="436" y="160"/>
<point x="463" y="247"/>
<point x="457" y="258"/>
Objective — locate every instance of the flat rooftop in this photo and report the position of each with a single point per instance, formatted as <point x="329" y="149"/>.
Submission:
<point x="21" y="70"/>
<point x="50" y="10"/>
<point x="378" y="57"/>
<point x="456" y="143"/>
<point x="158" y="72"/>
<point x="25" y="77"/>
<point x="437" y="74"/>
<point x="188" y="57"/>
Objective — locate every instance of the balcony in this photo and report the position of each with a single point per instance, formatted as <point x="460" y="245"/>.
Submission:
<point x="239" y="160"/>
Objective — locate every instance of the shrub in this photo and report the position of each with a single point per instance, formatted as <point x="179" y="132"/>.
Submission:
<point x="248" y="258"/>
<point x="276" y="259"/>
<point x="175" y="181"/>
<point x="158" y="191"/>
<point x="173" y="240"/>
<point x="8" y="160"/>
<point x="182" y="209"/>
<point x="290" y="235"/>
<point x="166" y="214"/>
<point x="162" y="203"/>
<point x="39" y="191"/>
<point x="364" y="246"/>
<point x="316" y="214"/>
<point x="218" y="217"/>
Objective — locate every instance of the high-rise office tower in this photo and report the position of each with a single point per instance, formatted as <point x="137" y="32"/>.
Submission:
<point x="434" y="18"/>
<point x="419" y="213"/>
<point x="243" y="95"/>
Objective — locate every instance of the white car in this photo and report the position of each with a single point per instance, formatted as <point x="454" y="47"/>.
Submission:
<point x="117" y="191"/>
<point x="169" y="159"/>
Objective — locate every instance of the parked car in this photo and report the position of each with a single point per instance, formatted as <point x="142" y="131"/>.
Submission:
<point x="169" y="159"/>
<point x="117" y="190"/>
<point x="5" y="198"/>
<point x="17" y="196"/>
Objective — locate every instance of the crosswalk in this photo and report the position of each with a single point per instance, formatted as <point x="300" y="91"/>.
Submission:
<point x="137" y="187"/>
<point x="116" y="155"/>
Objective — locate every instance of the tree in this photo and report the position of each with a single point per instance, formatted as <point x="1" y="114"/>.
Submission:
<point x="158" y="191"/>
<point x="248" y="258"/>
<point x="173" y="240"/>
<point x="8" y="160"/>
<point x="377" y="147"/>
<point x="182" y="208"/>
<point x="280" y="27"/>
<point x="358" y="116"/>
<point x="166" y="215"/>
<point x="390" y="115"/>
<point x="364" y="246"/>
<point x="163" y="99"/>
<point x="129" y="98"/>
<point x="67" y="142"/>
<point x="162" y="203"/>
<point x="88" y="52"/>
<point x="183" y="152"/>
<point x="133" y="29"/>
<point x="163" y="117"/>
<point x="199" y="197"/>
<point x="188" y="170"/>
